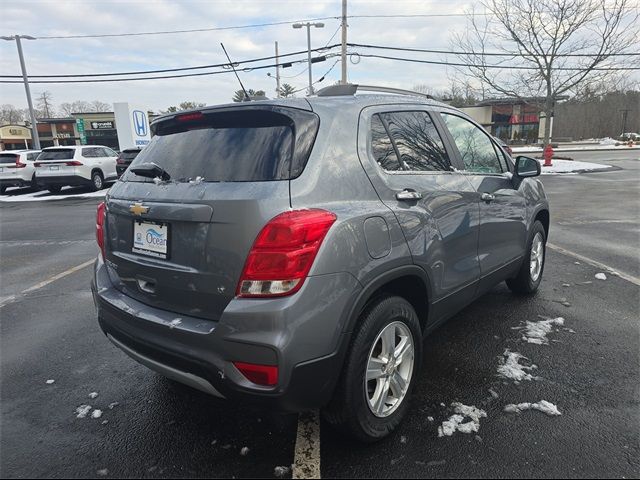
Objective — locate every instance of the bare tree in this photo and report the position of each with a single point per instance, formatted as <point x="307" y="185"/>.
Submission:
<point x="45" y="105"/>
<point x="11" y="114"/>
<point x="547" y="48"/>
<point x="98" y="106"/>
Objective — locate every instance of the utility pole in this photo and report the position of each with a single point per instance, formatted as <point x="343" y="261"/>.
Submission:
<point x="309" y="25"/>
<point x="32" y="114"/>
<point x="344" y="43"/>
<point x="625" y="112"/>
<point x="277" y="72"/>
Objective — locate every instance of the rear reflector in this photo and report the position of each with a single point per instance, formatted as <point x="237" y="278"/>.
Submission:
<point x="283" y="253"/>
<point x="266" y="375"/>
<point x="100" y="216"/>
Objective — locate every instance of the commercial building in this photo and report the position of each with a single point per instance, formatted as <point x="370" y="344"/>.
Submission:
<point x="15" y="137"/>
<point x="510" y="119"/>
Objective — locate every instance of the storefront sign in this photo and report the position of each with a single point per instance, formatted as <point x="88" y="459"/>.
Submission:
<point x="80" y="127"/>
<point x="102" y="125"/>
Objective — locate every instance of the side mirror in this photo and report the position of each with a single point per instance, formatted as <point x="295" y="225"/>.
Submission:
<point x="527" y="167"/>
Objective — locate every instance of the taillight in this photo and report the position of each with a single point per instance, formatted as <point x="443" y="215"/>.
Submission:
<point x="120" y="160"/>
<point x="266" y="375"/>
<point x="19" y="164"/>
<point x="100" y="216"/>
<point x="74" y="163"/>
<point x="283" y="253"/>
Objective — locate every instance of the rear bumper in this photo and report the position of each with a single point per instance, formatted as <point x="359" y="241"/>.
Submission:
<point x="284" y="332"/>
<point x="62" y="180"/>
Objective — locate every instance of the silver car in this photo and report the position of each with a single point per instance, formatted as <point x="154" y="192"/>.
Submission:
<point x="294" y="253"/>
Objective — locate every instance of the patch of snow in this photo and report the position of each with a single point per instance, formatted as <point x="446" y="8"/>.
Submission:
<point x="93" y="395"/>
<point x="436" y="463"/>
<point x="104" y="472"/>
<point x="493" y="393"/>
<point x="601" y="276"/>
<point x="511" y="368"/>
<point x="175" y="323"/>
<point x="197" y="181"/>
<point x="571" y="166"/>
<point x="82" y="411"/>
<point x="114" y="404"/>
<point x="245" y="450"/>
<point x="456" y="421"/>
<point x="608" y="141"/>
<point x="96" y="413"/>
<point x="281" y="471"/>
<point x="430" y="419"/>
<point x="403" y="439"/>
<point x="543" y="406"/>
<point x="536" y="332"/>
<point x="50" y="381"/>
<point x="157" y="180"/>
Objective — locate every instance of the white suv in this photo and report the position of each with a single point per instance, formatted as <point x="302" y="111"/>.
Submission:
<point x="16" y="168"/>
<point x="86" y="165"/>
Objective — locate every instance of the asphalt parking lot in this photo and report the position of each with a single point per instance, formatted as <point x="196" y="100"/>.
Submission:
<point x="150" y="427"/>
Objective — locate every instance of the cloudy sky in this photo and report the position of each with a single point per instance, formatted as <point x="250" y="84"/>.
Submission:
<point x="130" y="53"/>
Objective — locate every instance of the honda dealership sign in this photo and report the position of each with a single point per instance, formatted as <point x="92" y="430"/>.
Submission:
<point x="132" y="124"/>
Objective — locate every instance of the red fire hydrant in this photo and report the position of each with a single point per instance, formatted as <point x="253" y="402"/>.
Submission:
<point x="547" y="153"/>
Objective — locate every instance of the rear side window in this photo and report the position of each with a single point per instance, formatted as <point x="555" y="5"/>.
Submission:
<point x="129" y="155"/>
<point x="413" y="142"/>
<point x="242" y="145"/>
<point x="476" y="148"/>
<point x="57" y="154"/>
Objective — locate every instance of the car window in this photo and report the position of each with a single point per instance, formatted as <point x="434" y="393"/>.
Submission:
<point x="382" y="147"/>
<point x="32" y="156"/>
<point x="57" y="154"/>
<point x="108" y="152"/>
<point x="129" y="154"/>
<point x="416" y="141"/>
<point x="89" y="152"/>
<point x="476" y="148"/>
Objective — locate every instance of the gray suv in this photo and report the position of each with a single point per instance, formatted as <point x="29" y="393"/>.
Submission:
<point x="293" y="253"/>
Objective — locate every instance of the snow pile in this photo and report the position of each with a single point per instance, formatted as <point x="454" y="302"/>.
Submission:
<point x="455" y="422"/>
<point x="281" y="471"/>
<point x="536" y="332"/>
<point x="93" y="395"/>
<point x="40" y="196"/>
<point x="601" y="276"/>
<point x="96" y="413"/>
<point x="82" y="411"/>
<point x="608" y="141"/>
<point x="511" y="368"/>
<point x="543" y="406"/>
<point x="571" y="166"/>
<point x="50" y="381"/>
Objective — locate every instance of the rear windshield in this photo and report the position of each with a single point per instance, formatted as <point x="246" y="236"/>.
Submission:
<point x="8" y="157"/>
<point x="243" y="145"/>
<point x="129" y="155"/>
<point x="57" y="154"/>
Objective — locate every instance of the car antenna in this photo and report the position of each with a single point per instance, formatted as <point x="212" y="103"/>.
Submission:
<point x="246" y="95"/>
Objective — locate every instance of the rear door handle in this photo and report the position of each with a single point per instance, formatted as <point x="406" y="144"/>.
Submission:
<point x="488" y="197"/>
<point x="408" y="194"/>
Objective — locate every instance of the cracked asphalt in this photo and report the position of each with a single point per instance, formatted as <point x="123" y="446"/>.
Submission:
<point x="590" y="369"/>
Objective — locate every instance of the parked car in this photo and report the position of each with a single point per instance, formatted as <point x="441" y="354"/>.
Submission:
<point x="16" y="169"/>
<point x="293" y="253"/>
<point x="125" y="158"/>
<point x="625" y="137"/>
<point x="86" y="165"/>
<point x="504" y="145"/>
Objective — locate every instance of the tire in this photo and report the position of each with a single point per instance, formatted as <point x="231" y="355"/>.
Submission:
<point x="34" y="183"/>
<point x="529" y="276"/>
<point x="54" y="189"/>
<point x="3" y="190"/>
<point x="97" y="181"/>
<point x="351" y="409"/>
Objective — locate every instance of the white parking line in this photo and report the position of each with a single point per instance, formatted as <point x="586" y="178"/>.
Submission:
<point x="46" y="282"/>
<point x="595" y="263"/>
<point x="306" y="463"/>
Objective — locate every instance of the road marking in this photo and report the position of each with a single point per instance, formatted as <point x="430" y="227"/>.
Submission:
<point x="46" y="282"/>
<point x="595" y="263"/>
<point x="306" y="463"/>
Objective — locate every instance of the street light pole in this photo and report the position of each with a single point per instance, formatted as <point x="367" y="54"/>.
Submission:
<point x="32" y="114"/>
<point x="309" y="25"/>
<point x="277" y="72"/>
<point x="343" y="53"/>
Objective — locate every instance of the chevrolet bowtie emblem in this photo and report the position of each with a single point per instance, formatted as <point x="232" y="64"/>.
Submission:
<point x="138" y="209"/>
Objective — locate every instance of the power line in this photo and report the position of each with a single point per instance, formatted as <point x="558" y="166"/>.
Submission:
<point x="166" y="70"/>
<point x="483" y="54"/>
<point x="503" y="67"/>
<point x="195" y="30"/>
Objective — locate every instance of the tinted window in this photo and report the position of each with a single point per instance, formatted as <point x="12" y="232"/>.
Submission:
<point x="417" y="141"/>
<point x="89" y="152"/>
<point x="129" y="155"/>
<point x="381" y="146"/>
<point x="107" y="152"/>
<point x="233" y="146"/>
<point x="57" y="154"/>
<point x="474" y="145"/>
<point x="8" y="157"/>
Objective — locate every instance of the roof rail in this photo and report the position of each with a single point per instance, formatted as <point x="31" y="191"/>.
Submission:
<point x="351" y="89"/>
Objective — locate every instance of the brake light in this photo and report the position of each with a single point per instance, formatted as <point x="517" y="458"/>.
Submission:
<point x="283" y="253"/>
<point x="100" y="217"/>
<point x="190" y="117"/>
<point x="74" y="163"/>
<point x="37" y="164"/>
<point x="266" y="375"/>
<point x="120" y="160"/>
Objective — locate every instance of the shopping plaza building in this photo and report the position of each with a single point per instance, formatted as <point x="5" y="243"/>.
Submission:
<point x="91" y="128"/>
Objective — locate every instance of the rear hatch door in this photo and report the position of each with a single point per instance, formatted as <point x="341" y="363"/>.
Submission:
<point x="181" y="244"/>
<point x="56" y="162"/>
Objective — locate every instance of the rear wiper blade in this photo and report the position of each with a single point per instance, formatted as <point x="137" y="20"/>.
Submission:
<point x="151" y="170"/>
